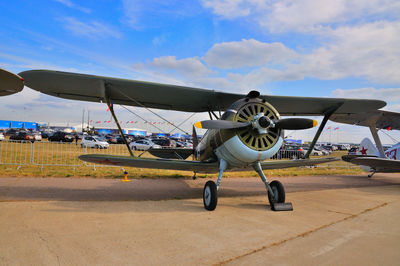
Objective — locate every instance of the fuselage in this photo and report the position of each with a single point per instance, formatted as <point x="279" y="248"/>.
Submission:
<point x="393" y="152"/>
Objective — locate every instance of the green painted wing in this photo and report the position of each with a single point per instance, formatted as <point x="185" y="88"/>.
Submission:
<point x="384" y="119"/>
<point x="195" y="166"/>
<point x="163" y="96"/>
<point x="10" y="83"/>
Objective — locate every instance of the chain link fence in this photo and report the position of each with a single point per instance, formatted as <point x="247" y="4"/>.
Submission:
<point x="45" y="153"/>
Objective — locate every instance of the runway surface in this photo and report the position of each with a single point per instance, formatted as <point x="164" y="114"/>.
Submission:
<point x="349" y="220"/>
<point x="84" y="189"/>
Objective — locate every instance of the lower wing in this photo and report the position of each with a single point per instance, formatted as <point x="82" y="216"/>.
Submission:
<point x="195" y="166"/>
<point x="378" y="164"/>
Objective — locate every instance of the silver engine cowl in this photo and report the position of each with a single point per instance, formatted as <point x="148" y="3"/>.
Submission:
<point x="248" y="145"/>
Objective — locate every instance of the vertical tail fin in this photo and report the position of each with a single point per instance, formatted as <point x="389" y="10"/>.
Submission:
<point x="368" y="148"/>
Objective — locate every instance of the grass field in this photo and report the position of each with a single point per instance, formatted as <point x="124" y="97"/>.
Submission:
<point x="46" y="159"/>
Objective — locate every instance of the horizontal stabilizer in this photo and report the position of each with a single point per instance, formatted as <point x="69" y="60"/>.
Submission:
<point x="348" y="158"/>
<point x="378" y="164"/>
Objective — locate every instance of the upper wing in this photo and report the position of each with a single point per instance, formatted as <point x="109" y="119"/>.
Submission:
<point x="379" y="164"/>
<point x="195" y="166"/>
<point x="381" y="119"/>
<point x="162" y="96"/>
<point x="10" y="83"/>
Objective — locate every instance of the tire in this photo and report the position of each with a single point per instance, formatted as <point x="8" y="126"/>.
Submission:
<point x="210" y="197"/>
<point x="96" y="146"/>
<point x="279" y="193"/>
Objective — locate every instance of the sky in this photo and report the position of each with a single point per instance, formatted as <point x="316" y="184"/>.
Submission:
<point x="318" y="48"/>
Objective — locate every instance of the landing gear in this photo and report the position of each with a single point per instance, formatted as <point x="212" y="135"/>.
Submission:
<point x="278" y="195"/>
<point x="371" y="174"/>
<point x="276" y="192"/>
<point x="210" y="197"/>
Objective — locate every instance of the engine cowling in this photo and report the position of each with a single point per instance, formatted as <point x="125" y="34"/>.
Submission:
<point x="244" y="146"/>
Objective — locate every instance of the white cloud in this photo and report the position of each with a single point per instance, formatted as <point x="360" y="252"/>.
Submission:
<point x="392" y="94"/>
<point x="92" y="29"/>
<point x="301" y="15"/>
<point x="229" y="9"/>
<point x="188" y="67"/>
<point x="70" y="4"/>
<point x="370" y="51"/>
<point x="247" y="53"/>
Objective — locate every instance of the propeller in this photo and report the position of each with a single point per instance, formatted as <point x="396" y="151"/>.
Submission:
<point x="220" y="124"/>
<point x="262" y="122"/>
<point x="295" y="123"/>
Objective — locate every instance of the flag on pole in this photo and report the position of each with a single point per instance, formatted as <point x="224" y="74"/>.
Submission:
<point x="329" y="128"/>
<point x="336" y="128"/>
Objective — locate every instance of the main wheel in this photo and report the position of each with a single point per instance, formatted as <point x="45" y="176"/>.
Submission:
<point x="279" y="192"/>
<point x="210" y="197"/>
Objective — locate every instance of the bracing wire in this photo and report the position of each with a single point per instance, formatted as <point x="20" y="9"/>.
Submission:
<point x="393" y="139"/>
<point x="142" y="105"/>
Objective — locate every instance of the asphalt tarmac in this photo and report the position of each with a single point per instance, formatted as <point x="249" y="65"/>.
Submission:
<point x="345" y="220"/>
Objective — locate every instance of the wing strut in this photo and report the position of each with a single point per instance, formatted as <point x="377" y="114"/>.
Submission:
<point x="374" y="132"/>
<point x="111" y="107"/>
<point x="328" y="114"/>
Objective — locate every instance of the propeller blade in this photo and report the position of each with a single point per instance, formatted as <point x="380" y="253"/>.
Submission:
<point x="220" y="124"/>
<point x="295" y="123"/>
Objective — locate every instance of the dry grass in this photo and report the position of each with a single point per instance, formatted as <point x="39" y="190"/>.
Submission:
<point x="44" y="159"/>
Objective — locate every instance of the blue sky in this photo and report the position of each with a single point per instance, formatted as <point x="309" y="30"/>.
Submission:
<point x="304" y="48"/>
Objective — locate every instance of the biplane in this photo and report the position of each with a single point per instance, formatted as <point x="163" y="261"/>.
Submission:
<point x="243" y="130"/>
<point x="373" y="158"/>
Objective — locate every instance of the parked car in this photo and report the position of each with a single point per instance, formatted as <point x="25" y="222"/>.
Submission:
<point x="12" y="131"/>
<point x="143" y="145"/>
<point x="23" y="136"/>
<point x="328" y="148"/>
<point x="353" y="151"/>
<point x="184" y="144"/>
<point x="165" y="143"/>
<point x="61" y="136"/>
<point x="290" y="151"/>
<point x="1" y="136"/>
<point x="324" y="152"/>
<point x="46" y="134"/>
<point x="37" y="135"/>
<point x="94" y="142"/>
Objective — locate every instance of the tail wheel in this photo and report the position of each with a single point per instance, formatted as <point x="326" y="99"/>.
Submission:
<point x="248" y="135"/>
<point x="279" y="192"/>
<point x="210" y="197"/>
